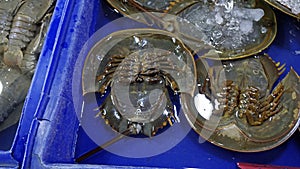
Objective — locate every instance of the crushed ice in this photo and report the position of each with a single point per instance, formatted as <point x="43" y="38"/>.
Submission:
<point x="226" y="28"/>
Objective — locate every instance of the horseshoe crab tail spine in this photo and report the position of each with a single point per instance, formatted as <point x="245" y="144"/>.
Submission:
<point x="103" y="146"/>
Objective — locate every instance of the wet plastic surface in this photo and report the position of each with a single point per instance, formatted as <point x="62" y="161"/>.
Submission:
<point x="55" y="137"/>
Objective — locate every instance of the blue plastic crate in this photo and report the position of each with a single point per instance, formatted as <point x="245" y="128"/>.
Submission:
<point x="13" y="157"/>
<point x="56" y="137"/>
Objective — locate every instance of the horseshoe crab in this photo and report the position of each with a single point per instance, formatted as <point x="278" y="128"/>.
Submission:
<point x="290" y="7"/>
<point x="238" y="107"/>
<point x="235" y="28"/>
<point x="137" y="72"/>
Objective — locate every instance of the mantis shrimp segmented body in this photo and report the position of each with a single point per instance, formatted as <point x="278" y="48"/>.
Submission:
<point x="23" y="30"/>
<point x="7" y="11"/>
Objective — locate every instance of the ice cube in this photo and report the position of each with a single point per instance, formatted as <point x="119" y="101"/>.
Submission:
<point x="246" y="26"/>
<point x="257" y="14"/>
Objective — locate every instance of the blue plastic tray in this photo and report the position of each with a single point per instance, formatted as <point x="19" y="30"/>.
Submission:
<point x="56" y="138"/>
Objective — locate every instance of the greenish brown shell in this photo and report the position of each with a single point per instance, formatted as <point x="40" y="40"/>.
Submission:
<point x="234" y="133"/>
<point x="165" y="18"/>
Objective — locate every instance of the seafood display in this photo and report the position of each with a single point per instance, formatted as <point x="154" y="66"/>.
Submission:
<point x="235" y="28"/>
<point x="241" y="103"/>
<point x="245" y="110"/>
<point x="201" y="78"/>
<point x="290" y="7"/>
<point x="138" y="71"/>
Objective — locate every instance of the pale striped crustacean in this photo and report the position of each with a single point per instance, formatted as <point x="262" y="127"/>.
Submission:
<point x="248" y="109"/>
<point x="8" y="9"/>
<point x="29" y="61"/>
<point x="22" y="36"/>
<point x="24" y="27"/>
